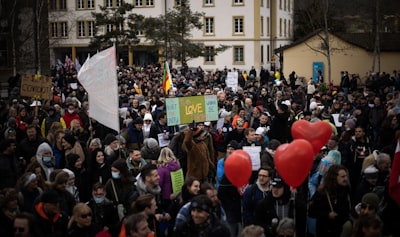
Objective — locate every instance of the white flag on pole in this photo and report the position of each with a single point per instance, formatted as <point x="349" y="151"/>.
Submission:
<point x="98" y="76"/>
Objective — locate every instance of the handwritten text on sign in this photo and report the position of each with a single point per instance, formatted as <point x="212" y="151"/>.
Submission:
<point x="184" y="110"/>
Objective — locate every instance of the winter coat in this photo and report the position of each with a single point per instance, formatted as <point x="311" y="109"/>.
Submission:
<point x="165" y="178"/>
<point x="214" y="228"/>
<point x="198" y="157"/>
<point x="46" y="227"/>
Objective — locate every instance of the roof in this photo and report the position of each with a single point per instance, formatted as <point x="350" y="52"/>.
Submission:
<point x="389" y="41"/>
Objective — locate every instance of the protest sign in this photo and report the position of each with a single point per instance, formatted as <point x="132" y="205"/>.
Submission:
<point x="36" y="86"/>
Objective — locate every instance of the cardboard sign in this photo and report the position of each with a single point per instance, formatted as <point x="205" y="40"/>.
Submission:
<point x="177" y="181"/>
<point x="37" y="86"/>
<point x="185" y="110"/>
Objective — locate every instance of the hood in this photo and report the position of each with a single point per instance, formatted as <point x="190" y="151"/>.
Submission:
<point x="42" y="214"/>
<point x="173" y="166"/>
<point x="142" y="189"/>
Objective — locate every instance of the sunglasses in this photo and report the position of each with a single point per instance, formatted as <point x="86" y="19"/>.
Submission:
<point x="19" y="229"/>
<point x="84" y="216"/>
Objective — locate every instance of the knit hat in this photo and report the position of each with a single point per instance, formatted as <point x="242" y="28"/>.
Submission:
<point x="259" y="108"/>
<point x="109" y="139"/>
<point x="371" y="199"/>
<point x="350" y="123"/>
<point x="234" y="144"/>
<point x="50" y="196"/>
<point x="148" y="116"/>
<point x="371" y="172"/>
<point x="151" y="143"/>
<point x="70" y="139"/>
<point x="273" y="144"/>
<point x="71" y="159"/>
<point x="202" y="202"/>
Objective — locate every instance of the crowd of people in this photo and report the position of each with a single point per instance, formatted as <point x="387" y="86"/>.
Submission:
<point x="62" y="173"/>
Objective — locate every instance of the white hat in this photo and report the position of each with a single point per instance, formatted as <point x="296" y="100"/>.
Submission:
<point x="286" y="102"/>
<point x="36" y="103"/>
<point x="313" y="105"/>
<point x="224" y="114"/>
<point x="148" y="116"/>
<point x="261" y="131"/>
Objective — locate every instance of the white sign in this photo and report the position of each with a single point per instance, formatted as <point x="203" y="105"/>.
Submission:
<point x="254" y="153"/>
<point x="232" y="80"/>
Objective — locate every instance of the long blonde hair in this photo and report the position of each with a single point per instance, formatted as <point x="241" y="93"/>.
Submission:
<point x="166" y="156"/>
<point x="79" y="209"/>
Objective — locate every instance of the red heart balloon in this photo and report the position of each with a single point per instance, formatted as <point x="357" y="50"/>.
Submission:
<point x="317" y="133"/>
<point x="237" y="168"/>
<point x="294" y="161"/>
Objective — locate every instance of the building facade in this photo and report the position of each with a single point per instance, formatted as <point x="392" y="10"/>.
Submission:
<point x="252" y="29"/>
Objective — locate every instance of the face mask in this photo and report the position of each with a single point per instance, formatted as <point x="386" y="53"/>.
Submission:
<point x="71" y="111"/>
<point x="115" y="175"/>
<point x="46" y="159"/>
<point x="371" y="105"/>
<point x="98" y="199"/>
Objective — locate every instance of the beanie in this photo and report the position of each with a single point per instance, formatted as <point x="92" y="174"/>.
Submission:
<point x="50" y="196"/>
<point x="70" y="139"/>
<point x="371" y="199"/>
<point x="350" y="123"/>
<point x="109" y="139"/>
<point x="151" y="143"/>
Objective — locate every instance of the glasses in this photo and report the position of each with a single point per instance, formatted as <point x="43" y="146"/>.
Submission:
<point x="19" y="229"/>
<point x="263" y="176"/>
<point x="366" y="206"/>
<point x="84" y="216"/>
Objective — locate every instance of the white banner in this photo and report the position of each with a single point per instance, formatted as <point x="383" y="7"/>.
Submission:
<point x="98" y="76"/>
<point x="232" y="80"/>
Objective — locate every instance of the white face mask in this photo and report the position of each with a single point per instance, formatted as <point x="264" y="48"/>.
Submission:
<point x="71" y="111"/>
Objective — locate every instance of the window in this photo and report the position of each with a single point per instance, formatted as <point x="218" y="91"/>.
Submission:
<point x="284" y="5"/>
<point x="138" y="3"/>
<point x="108" y="3"/>
<point x="268" y="3"/>
<point x="280" y="4"/>
<point x="57" y="5"/>
<point x="238" y="2"/>
<point x="149" y="3"/>
<point x="81" y="29"/>
<point x="109" y="28"/>
<point x="238" y="25"/>
<point x="284" y="28"/>
<point x="139" y="33"/>
<point x="262" y="54"/>
<point x="289" y="29"/>
<point x="118" y="3"/>
<point x="238" y="54"/>
<point x="280" y="26"/>
<point x="90" y="25"/>
<point x="209" y="54"/>
<point x="53" y="30"/>
<point x="262" y="3"/>
<point x="121" y="27"/>
<point x="178" y="3"/>
<point x="80" y="4"/>
<point x="289" y="5"/>
<point x="209" y="25"/>
<point x="208" y="3"/>
<point x="268" y="54"/>
<point x="268" y="27"/>
<point x="90" y="4"/>
<point x="262" y="25"/>
<point x="85" y="28"/>
<point x="58" y="29"/>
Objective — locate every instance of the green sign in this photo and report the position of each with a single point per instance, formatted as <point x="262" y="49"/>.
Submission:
<point x="185" y="110"/>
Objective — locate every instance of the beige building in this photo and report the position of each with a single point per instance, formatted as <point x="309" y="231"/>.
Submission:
<point x="349" y="52"/>
<point x="252" y="29"/>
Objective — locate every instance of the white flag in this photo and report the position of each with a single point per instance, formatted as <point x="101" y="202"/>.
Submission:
<point x="98" y="76"/>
